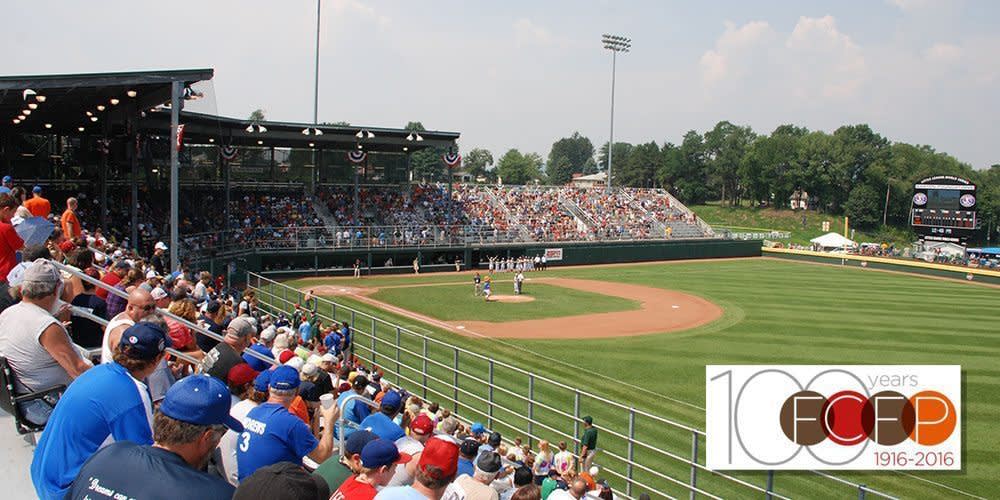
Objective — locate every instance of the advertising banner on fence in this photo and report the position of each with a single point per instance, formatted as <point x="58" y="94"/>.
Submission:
<point x="552" y="254"/>
<point x="833" y="417"/>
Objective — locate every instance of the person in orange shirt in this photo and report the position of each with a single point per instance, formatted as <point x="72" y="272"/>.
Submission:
<point x="37" y="205"/>
<point x="70" y="223"/>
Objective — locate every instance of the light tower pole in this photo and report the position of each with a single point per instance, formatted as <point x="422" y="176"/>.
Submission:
<point x="615" y="44"/>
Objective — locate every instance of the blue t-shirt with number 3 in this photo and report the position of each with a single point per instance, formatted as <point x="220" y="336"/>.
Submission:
<point x="271" y="435"/>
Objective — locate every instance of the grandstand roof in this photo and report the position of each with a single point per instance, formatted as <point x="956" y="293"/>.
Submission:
<point x="69" y="97"/>
<point x="199" y="128"/>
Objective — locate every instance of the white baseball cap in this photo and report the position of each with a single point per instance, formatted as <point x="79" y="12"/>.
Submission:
<point x="296" y="362"/>
<point x="160" y="245"/>
<point x="310" y="369"/>
<point x="329" y="358"/>
<point x="150" y="274"/>
<point x="158" y="293"/>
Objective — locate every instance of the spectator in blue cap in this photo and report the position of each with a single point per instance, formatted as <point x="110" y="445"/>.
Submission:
<point x="187" y="427"/>
<point x="256" y="363"/>
<point x="381" y="423"/>
<point x="379" y="459"/>
<point x="107" y="401"/>
<point x="37" y="205"/>
<point x="272" y="434"/>
<point x="335" y="472"/>
<point x="8" y="184"/>
<point x="225" y="456"/>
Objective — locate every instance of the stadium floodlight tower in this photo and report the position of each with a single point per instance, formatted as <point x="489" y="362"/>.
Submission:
<point x="616" y="44"/>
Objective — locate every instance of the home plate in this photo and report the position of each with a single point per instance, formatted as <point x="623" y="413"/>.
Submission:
<point x="675" y="306"/>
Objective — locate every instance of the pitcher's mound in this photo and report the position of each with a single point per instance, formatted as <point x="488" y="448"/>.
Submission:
<point x="511" y="298"/>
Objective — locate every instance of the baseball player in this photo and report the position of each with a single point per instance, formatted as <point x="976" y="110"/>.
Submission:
<point x="487" y="285"/>
<point x="518" y="283"/>
<point x="478" y="282"/>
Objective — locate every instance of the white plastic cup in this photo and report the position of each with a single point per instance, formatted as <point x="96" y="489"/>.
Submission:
<point x="326" y="400"/>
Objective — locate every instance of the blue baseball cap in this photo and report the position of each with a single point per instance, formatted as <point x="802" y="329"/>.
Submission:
<point x="36" y="189"/>
<point x="478" y="428"/>
<point x="261" y="382"/>
<point x="357" y="441"/>
<point x="7" y="179"/>
<point x="257" y="364"/>
<point x="284" y="378"/>
<point x="144" y="340"/>
<point x="392" y="399"/>
<point x="200" y="400"/>
<point x="382" y="452"/>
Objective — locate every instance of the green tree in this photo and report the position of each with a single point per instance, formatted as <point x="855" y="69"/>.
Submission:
<point x="691" y="178"/>
<point x="641" y="166"/>
<point x="576" y="149"/>
<point x="256" y="115"/>
<point x="477" y="162"/>
<point x="515" y="167"/>
<point x="619" y="158"/>
<point x="725" y="146"/>
<point x="864" y="207"/>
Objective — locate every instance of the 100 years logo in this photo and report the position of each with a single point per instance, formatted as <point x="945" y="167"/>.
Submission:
<point x="833" y="417"/>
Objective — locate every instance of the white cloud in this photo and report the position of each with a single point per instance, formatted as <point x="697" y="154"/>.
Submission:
<point x="529" y="33"/>
<point x="716" y="64"/>
<point x="943" y="53"/>
<point x="823" y="60"/>
<point x="361" y="9"/>
<point x="914" y="5"/>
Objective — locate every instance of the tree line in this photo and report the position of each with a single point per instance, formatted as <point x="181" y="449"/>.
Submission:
<point x="849" y="172"/>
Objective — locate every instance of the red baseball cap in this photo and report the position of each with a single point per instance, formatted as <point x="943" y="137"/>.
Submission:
<point x="422" y="425"/>
<point x="241" y="374"/>
<point x="285" y="356"/>
<point x="67" y="246"/>
<point x="442" y="453"/>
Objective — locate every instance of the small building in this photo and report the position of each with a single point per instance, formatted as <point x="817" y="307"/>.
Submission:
<point x="800" y="200"/>
<point x="599" y="179"/>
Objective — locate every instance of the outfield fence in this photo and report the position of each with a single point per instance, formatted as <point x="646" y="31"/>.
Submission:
<point x="639" y="451"/>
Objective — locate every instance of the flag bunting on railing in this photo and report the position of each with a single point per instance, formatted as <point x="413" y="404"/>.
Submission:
<point x="452" y="159"/>
<point x="357" y="156"/>
<point x="228" y="152"/>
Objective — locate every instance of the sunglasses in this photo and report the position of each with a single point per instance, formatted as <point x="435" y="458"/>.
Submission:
<point x="147" y="307"/>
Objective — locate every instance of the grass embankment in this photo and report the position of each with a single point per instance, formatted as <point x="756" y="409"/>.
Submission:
<point x="747" y="219"/>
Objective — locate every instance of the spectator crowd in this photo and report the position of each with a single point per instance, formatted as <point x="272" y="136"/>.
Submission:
<point x="140" y="401"/>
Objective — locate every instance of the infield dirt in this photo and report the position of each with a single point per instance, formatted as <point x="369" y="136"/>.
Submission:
<point x="661" y="311"/>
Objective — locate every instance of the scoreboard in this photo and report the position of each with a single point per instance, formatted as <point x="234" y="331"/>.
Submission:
<point x="944" y="209"/>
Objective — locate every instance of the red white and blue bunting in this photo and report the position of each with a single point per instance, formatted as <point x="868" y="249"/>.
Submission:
<point x="357" y="156"/>
<point x="452" y="159"/>
<point x="228" y="153"/>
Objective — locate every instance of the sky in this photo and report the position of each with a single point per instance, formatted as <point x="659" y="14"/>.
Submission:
<point x="522" y="74"/>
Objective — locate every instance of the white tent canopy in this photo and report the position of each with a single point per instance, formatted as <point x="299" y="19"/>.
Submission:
<point x="832" y="240"/>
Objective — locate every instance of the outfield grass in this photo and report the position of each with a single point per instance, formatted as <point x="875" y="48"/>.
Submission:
<point x="775" y="312"/>
<point x="457" y="302"/>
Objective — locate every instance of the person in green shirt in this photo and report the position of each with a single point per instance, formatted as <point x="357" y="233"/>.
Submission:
<point x="588" y="443"/>
<point x="335" y="470"/>
<point x="550" y="483"/>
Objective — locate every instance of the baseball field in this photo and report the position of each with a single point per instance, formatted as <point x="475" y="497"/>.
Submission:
<point x="673" y="319"/>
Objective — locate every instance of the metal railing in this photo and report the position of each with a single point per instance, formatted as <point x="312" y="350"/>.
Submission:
<point x="366" y="238"/>
<point x="195" y="328"/>
<point x="484" y="388"/>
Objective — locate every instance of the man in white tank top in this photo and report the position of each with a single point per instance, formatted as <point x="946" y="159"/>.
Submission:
<point x="140" y="305"/>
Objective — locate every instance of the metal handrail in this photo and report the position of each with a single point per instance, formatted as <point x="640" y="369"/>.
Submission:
<point x="194" y="327"/>
<point x="340" y="421"/>
<point x="83" y="313"/>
